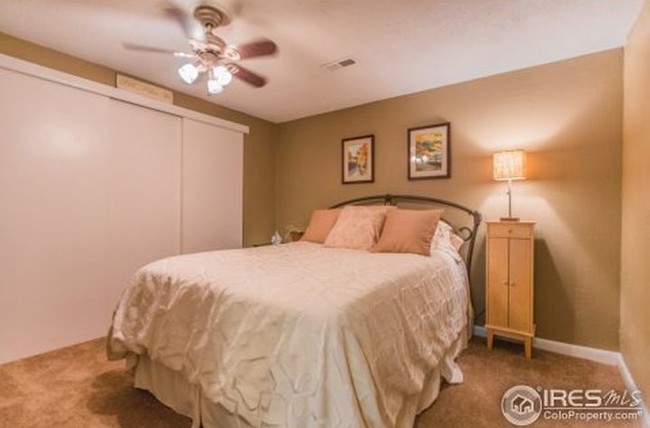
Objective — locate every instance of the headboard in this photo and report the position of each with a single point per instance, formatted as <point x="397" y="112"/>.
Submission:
<point x="465" y="221"/>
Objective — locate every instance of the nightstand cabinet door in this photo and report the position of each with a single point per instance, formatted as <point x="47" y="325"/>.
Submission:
<point x="509" y="294"/>
<point x="520" y="299"/>
<point x="497" y="279"/>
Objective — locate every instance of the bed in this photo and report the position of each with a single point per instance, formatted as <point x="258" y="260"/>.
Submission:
<point x="300" y="334"/>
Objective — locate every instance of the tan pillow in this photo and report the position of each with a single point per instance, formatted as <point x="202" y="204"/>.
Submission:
<point x="358" y="227"/>
<point x="320" y="225"/>
<point x="408" y="231"/>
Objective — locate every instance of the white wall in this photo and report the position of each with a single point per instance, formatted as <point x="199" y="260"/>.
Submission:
<point x="90" y="189"/>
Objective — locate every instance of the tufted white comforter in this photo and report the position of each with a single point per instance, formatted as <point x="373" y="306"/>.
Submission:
<point x="299" y="335"/>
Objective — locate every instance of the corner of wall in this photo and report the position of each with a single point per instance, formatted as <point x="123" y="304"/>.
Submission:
<point x="634" y="329"/>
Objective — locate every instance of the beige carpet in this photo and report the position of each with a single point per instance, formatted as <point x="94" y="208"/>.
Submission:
<point x="77" y="387"/>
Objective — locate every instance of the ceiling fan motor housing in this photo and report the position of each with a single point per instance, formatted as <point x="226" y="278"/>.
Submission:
<point x="211" y="17"/>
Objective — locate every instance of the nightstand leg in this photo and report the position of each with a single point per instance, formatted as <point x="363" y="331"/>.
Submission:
<point x="490" y="338"/>
<point x="528" y="347"/>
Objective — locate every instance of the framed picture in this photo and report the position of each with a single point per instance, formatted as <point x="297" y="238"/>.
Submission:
<point x="429" y="152"/>
<point x="358" y="159"/>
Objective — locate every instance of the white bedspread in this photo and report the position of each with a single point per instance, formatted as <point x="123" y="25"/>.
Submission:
<point x="298" y="335"/>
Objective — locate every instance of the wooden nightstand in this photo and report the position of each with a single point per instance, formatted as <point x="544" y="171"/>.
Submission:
<point x="509" y="281"/>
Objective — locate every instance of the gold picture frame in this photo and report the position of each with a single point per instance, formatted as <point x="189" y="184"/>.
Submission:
<point x="429" y="152"/>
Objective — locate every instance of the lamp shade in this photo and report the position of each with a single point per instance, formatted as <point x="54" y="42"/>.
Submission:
<point x="509" y="165"/>
<point x="214" y="87"/>
<point x="188" y="73"/>
<point x="222" y="75"/>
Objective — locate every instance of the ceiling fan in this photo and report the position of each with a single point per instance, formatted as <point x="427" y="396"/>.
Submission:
<point x="210" y="55"/>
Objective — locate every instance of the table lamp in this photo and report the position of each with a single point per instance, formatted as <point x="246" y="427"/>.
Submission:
<point x="509" y="165"/>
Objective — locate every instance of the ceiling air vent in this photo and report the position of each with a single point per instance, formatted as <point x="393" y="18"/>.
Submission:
<point x="336" y="65"/>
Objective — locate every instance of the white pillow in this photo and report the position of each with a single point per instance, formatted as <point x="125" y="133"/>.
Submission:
<point x="445" y="239"/>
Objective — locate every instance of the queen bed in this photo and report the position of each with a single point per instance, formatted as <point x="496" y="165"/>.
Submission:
<point x="301" y="334"/>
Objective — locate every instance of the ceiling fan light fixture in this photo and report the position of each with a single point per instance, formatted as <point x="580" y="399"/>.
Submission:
<point x="214" y="87"/>
<point x="209" y="53"/>
<point x="222" y="75"/>
<point x="188" y="73"/>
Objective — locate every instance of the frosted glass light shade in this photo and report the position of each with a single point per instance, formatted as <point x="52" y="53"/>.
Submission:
<point x="214" y="87"/>
<point x="509" y="165"/>
<point x="222" y="75"/>
<point x="188" y="73"/>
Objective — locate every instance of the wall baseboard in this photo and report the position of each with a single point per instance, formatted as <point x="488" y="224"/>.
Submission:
<point x="611" y="358"/>
<point x="631" y="386"/>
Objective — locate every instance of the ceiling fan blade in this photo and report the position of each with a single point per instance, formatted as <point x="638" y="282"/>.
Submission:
<point x="143" y="48"/>
<point x="184" y="20"/>
<point x="247" y="76"/>
<point x="251" y="50"/>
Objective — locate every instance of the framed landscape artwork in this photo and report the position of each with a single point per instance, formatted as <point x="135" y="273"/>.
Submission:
<point x="429" y="152"/>
<point x="358" y="159"/>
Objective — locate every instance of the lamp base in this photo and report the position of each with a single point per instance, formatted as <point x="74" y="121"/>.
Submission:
<point x="509" y="219"/>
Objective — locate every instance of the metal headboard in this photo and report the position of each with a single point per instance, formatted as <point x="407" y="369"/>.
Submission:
<point x="467" y="233"/>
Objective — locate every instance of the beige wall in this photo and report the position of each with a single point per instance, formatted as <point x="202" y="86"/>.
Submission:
<point x="258" y="145"/>
<point x="635" y="247"/>
<point x="566" y="114"/>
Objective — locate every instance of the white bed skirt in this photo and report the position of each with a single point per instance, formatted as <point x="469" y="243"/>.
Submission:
<point x="172" y="389"/>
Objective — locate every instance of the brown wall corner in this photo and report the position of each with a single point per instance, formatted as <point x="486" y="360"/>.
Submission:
<point x="635" y="237"/>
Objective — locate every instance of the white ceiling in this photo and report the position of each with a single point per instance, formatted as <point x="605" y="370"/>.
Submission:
<point x="401" y="46"/>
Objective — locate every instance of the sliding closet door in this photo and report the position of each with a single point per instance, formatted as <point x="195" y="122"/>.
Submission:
<point x="212" y="187"/>
<point x="143" y="193"/>
<point x="89" y="191"/>
<point x="53" y="177"/>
